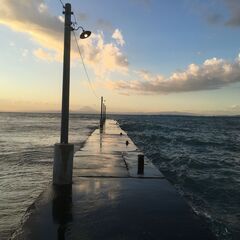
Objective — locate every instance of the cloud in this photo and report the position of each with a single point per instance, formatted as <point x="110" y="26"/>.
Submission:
<point x="12" y="44"/>
<point x="46" y="55"/>
<point x="235" y="107"/>
<point x="24" y="52"/>
<point x="213" y="13"/>
<point x="212" y="74"/>
<point x="103" y="57"/>
<point x="214" y="18"/>
<point x="117" y="35"/>
<point x="61" y="18"/>
<point x="33" y="18"/>
<point x="234" y="9"/>
<point x="104" y="25"/>
<point x="81" y="16"/>
<point x="42" y="7"/>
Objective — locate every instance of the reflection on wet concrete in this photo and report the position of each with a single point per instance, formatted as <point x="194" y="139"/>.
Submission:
<point x="105" y="154"/>
<point x="102" y="129"/>
<point x="62" y="209"/>
<point x="109" y="209"/>
<point x="101" y="133"/>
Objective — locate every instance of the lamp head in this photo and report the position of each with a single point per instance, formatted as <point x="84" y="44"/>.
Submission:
<point x="85" y="34"/>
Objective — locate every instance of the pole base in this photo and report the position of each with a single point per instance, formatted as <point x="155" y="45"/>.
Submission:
<point x="63" y="163"/>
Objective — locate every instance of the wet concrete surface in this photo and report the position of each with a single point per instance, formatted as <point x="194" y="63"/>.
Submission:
<point x="109" y="200"/>
<point x="106" y="154"/>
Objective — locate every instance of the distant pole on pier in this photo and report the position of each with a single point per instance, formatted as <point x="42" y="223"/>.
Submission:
<point x="66" y="74"/>
<point x="101" y="116"/>
<point x="103" y="113"/>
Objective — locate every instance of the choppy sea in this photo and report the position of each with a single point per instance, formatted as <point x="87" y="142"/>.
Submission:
<point x="200" y="156"/>
<point x="26" y="157"/>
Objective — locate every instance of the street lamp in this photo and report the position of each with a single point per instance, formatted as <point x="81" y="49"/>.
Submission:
<point x="85" y="34"/>
<point x="63" y="151"/>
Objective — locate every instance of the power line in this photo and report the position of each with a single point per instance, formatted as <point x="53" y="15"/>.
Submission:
<point x="75" y="19"/>
<point x="61" y="3"/>
<point x="84" y="66"/>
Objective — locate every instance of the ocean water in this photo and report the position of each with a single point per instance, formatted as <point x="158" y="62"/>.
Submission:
<point x="200" y="156"/>
<point x="26" y="157"/>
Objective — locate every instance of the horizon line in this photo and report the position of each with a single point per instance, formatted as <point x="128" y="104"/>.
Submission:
<point x="170" y="113"/>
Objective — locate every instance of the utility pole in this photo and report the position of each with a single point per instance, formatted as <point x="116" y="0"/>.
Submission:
<point x="101" y="117"/>
<point x="66" y="74"/>
<point x="63" y="151"/>
<point x="103" y="114"/>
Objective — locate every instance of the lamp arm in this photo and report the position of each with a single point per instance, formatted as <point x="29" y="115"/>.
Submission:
<point x="75" y="29"/>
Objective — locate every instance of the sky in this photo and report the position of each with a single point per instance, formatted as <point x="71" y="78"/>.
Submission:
<point x="145" y="56"/>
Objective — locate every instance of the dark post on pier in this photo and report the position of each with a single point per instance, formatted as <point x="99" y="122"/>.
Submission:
<point x="63" y="151"/>
<point x="103" y="113"/>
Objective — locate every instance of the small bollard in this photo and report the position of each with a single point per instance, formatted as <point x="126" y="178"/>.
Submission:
<point x="140" y="164"/>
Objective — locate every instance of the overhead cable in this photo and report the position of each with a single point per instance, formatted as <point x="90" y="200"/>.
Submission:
<point x="84" y="67"/>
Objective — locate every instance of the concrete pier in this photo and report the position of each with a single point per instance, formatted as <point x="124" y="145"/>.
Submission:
<point x="109" y="200"/>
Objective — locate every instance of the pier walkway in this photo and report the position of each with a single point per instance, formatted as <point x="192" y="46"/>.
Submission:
<point x="108" y="200"/>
